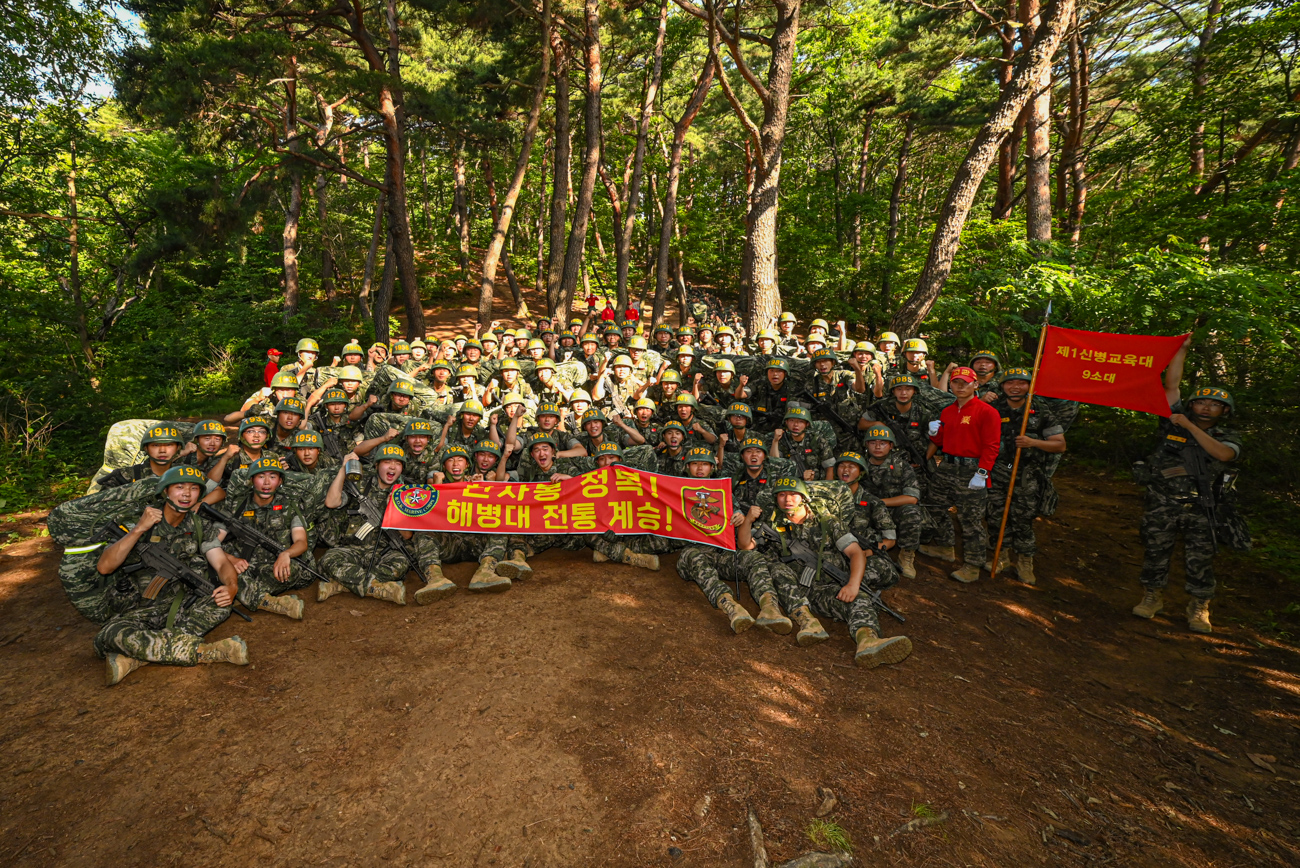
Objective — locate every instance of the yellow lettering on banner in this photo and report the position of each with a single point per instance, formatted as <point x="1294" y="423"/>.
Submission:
<point x="622" y="517"/>
<point x="476" y="489"/>
<point x="555" y="517"/>
<point x="459" y="513"/>
<point x="545" y="492"/>
<point x="489" y="515"/>
<point x="1147" y="361"/>
<point x="647" y="517"/>
<point x="583" y="516"/>
<point x="518" y="517"/>
<point x="627" y="480"/>
<point x="596" y="484"/>
<point x="512" y="492"/>
<point x="1063" y="351"/>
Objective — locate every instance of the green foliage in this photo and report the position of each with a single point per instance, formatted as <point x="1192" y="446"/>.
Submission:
<point x="829" y="835"/>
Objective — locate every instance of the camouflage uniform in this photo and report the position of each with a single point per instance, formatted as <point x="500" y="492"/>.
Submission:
<point x="911" y="429"/>
<point x="148" y="629"/>
<point x="949" y="488"/>
<point x="277" y="520"/>
<point x="769" y="405"/>
<point x="892" y="478"/>
<point x="834" y="397"/>
<point x="669" y="464"/>
<point x="127" y="475"/>
<point x="711" y="568"/>
<point x="1032" y="483"/>
<point x="356" y="563"/>
<point x="608" y="543"/>
<point x="455" y="548"/>
<point x="815" y="451"/>
<point x="871" y="522"/>
<point x="1172" y="510"/>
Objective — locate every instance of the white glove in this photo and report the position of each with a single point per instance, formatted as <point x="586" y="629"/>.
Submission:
<point x="934" y="427"/>
<point x="978" y="481"/>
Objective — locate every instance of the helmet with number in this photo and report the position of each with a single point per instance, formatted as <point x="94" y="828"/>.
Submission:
<point x="473" y="344"/>
<point x="184" y="473"/>
<point x="609" y="447"/>
<point x="686" y="399"/>
<point x="488" y="445"/>
<point x="786" y="316"/>
<point x="352" y="348"/>
<point x="471" y="407"/>
<point x="545" y="329"/>
<point x="549" y="410"/>
<point x="825" y="353"/>
<point x="207" y="428"/>
<point x="536" y="344"/>
<point x="671" y="376"/>
<point x="291" y="405"/>
<point x="778" y="365"/>
<point x="334" y="396"/>
<point x="627" y="324"/>
<point x="725" y="365"/>
<point x="880" y="432"/>
<point x="767" y="335"/>
<point x="255" y="422"/>
<point x="916" y="345"/>
<point x="455" y="450"/>
<point x="864" y="347"/>
<point x="510" y="365"/>
<point x="576" y="321"/>
<point x="637" y="342"/>
<point x="701" y="453"/>
<point x="663" y="329"/>
<point x="401" y="348"/>
<point x="739" y="408"/>
<point x="537" y="438"/>
<point x="621" y="361"/>
<point x="753" y="442"/>
<point x="1210" y="393"/>
<point x="418" y="427"/>
<point x="267" y="464"/>
<point x="440" y="365"/>
<point x="523" y="335"/>
<point x="673" y="425"/>
<point x="163" y="434"/>
<point x="579" y="395"/>
<point x="382" y="347"/>
<point x="467" y="371"/>
<point x="590" y="338"/>
<point x="902" y="380"/>
<point x="284" y="380"/>
<point x="350" y="372"/>
<point x="852" y="457"/>
<point x="511" y="398"/>
<point x="546" y="363"/>
<point x="1018" y="374"/>
<point x="887" y="337"/>
<point x="401" y="387"/>
<point x="985" y="354"/>
<point x="594" y="415"/>
<point x="308" y="440"/>
<point x="307" y="345"/>
<point x="611" y="329"/>
<point x="390" y="452"/>
<point x="685" y="330"/>
<point x="821" y="324"/>
<point x="647" y="403"/>
<point x="790" y="484"/>
<point x="568" y="333"/>
<point x="794" y="411"/>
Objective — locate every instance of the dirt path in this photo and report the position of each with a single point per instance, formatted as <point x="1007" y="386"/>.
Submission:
<point x="601" y="716"/>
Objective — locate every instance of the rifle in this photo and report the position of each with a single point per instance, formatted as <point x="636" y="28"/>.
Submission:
<point x="826" y="407"/>
<point x="810" y="561"/>
<point x="375" y="521"/>
<point x="1197" y="462"/>
<point x="328" y="437"/>
<point x="251" y="538"/>
<point x="164" y="564"/>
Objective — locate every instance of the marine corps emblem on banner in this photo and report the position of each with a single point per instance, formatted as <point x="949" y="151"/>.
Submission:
<point x="703" y="509"/>
<point x="414" y="500"/>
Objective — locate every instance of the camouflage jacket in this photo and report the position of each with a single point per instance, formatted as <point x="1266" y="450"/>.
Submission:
<point x="126" y="475"/>
<point x="189" y="541"/>
<point x="1041" y="425"/>
<point x="871" y="520"/>
<point x="769" y="405"/>
<point x="890" y="478"/>
<point x="821" y="531"/>
<point x="814" y="452"/>
<point x="911" y="428"/>
<point x="277" y="520"/>
<point x="1168" y="469"/>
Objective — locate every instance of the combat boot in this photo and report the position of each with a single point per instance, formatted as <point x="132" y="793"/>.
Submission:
<point x="233" y="650"/>
<point x="874" y="651"/>
<point x="515" y="568"/>
<point x="645" y="562"/>
<point x="486" y="580"/>
<point x="907" y="564"/>
<point x="1153" y="602"/>
<point x="1198" y="615"/>
<point x="118" y="666"/>
<point x="393" y="592"/>
<point x="966" y="574"/>
<point x="439" y="586"/>
<point x="740" y="619"/>
<point x="1004" y="561"/>
<point x="770" y="617"/>
<point x="325" y="590"/>
<point x="1025" y="569"/>
<point x="810" y="629"/>
<point x="290" y="606"/>
<point x="943" y="553"/>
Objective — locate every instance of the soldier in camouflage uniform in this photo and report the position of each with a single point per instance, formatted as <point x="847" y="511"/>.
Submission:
<point x="262" y="575"/>
<point x="698" y="428"/>
<point x="871" y="522"/>
<point x="440" y="385"/>
<point x="1043" y="436"/>
<point x="710" y="567"/>
<point x="288" y="417"/>
<point x="455" y="465"/>
<point x="263" y="401"/>
<point x="664" y="393"/>
<point x="835" y="395"/>
<point x="617" y="390"/>
<point x="162" y="621"/>
<point x="161" y="445"/>
<point x="908" y="420"/>
<point x="547" y="386"/>
<point x="643" y="420"/>
<point x="207" y="442"/>
<point x="799" y="518"/>
<point x="366" y="562"/>
<point x="670" y="454"/>
<point x="465" y="428"/>
<point x="310" y="377"/>
<point x="421" y="459"/>
<point x="789" y="344"/>
<point x="338" y="433"/>
<point x="812" y="452"/>
<point x="596" y="429"/>
<point x="1194" y="454"/>
<point x="253" y="434"/>
<point x="771" y="396"/>
<point x="889" y="477"/>
<point x="642" y="365"/>
<point x="720" y="389"/>
<point x="400" y="401"/>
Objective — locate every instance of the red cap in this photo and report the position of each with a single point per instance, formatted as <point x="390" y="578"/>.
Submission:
<point x="963" y="373"/>
<point x="274" y="352"/>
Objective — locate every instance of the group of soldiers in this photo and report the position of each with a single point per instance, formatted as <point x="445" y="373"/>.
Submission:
<point x="846" y="459"/>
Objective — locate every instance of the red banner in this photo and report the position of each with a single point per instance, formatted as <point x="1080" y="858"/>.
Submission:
<point x="624" y="500"/>
<point x="1108" y="369"/>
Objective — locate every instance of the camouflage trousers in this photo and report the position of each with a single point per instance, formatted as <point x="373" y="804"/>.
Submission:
<point x="454" y="548"/>
<point x="711" y="568"/>
<point x="1025" y="501"/>
<point x="259" y="582"/>
<point x="909" y="521"/>
<point x="89" y="592"/>
<point x="1163" y="522"/>
<point x="949" y="489"/>
<point x="142" y="632"/>
<point x="608" y="543"/>
<point x="822" y="595"/>
<point x="374" y="560"/>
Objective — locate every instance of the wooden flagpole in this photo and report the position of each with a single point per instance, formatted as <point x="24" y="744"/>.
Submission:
<point x="1015" y="464"/>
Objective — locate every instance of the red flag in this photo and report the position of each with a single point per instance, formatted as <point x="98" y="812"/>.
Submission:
<point x="1108" y="369"/>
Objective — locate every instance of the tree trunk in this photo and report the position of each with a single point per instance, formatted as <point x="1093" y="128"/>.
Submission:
<point x="368" y="274"/>
<point x="863" y="153"/>
<point x="539" y="279"/>
<point x="1072" y="157"/>
<point x="1038" y="156"/>
<point x="1201" y="78"/>
<point x="460" y="206"/>
<point x="293" y="213"/>
<point x="384" y="298"/>
<point x="966" y="183"/>
<point x="623" y="243"/>
<point x="326" y="255"/>
<point x="590" y="157"/>
<point x="666" y="225"/>
<point x="895" y="207"/>
<point x="501" y="220"/>
<point x="1007" y="151"/>
<point x="561" y="177"/>
<point x="74" y="261"/>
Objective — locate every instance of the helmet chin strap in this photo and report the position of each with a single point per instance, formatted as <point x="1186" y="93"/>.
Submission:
<point x="181" y="510"/>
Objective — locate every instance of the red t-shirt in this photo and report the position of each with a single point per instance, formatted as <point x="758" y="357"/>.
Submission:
<point x="591" y="301"/>
<point x="271" y="369"/>
<point x="973" y="431"/>
<point x="632" y="314"/>
<point x="608" y="315"/>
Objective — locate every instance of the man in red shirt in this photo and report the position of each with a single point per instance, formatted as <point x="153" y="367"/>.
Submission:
<point x="609" y="314"/>
<point x="272" y="365"/>
<point x="968" y="434"/>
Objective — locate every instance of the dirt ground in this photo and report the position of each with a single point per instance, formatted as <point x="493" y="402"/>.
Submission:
<point x="601" y="715"/>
